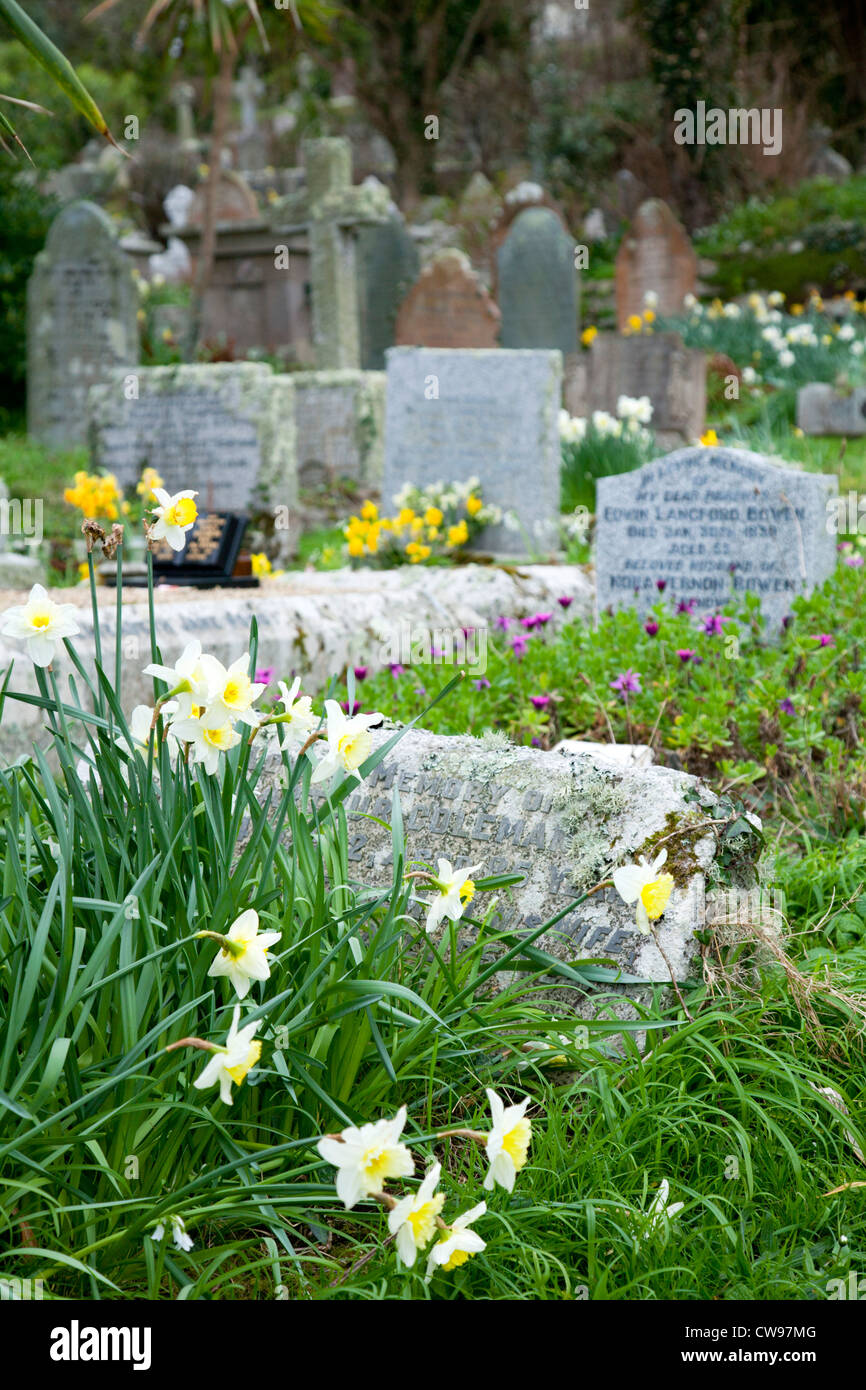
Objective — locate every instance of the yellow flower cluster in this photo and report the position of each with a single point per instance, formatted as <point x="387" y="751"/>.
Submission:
<point x="149" y="480"/>
<point x="409" y="531"/>
<point x="640" y="323"/>
<point x="96" y="495"/>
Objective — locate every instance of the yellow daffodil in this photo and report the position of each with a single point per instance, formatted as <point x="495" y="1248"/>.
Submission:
<point x="175" y="515"/>
<point x="230" y="1064"/>
<point x="231" y="693"/>
<point x="366" y="1157"/>
<point x="589" y="335"/>
<point x="455" y="890"/>
<point x="413" y="1219"/>
<point x="349" y="742"/>
<point x="709" y="437"/>
<point x="646" y="885"/>
<point x="369" y="511"/>
<point x="507" y="1143"/>
<point x="261" y="565"/>
<point x="433" y="516"/>
<point x="41" y="624"/>
<point x="473" y="505"/>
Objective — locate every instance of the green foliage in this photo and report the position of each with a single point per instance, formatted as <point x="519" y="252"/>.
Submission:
<point x="25" y="216"/>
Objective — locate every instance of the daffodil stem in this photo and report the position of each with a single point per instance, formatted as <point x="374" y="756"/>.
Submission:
<point x="234" y="948"/>
<point x="193" y="1042"/>
<point x="462" y="1134"/>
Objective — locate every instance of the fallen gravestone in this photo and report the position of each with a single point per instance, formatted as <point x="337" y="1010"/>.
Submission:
<point x="81" y="322"/>
<point x="823" y="410"/>
<point x="225" y="430"/>
<point x="538" y="283"/>
<point x="563" y="820"/>
<point x="448" y="307"/>
<point x="707" y="524"/>
<point x="656" y="365"/>
<point x="655" y="257"/>
<point x="453" y="414"/>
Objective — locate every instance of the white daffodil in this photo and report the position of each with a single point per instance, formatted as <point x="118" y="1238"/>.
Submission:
<point x="507" y="1143"/>
<point x="297" y="716"/>
<point x="660" y="1213"/>
<point x="206" y="744"/>
<point x="413" y="1220"/>
<point x="231" y="1062"/>
<point x="455" y="891"/>
<point x="243" y="955"/>
<point x="187" y="679"/>
<point x="140" y="722"/>
<point x="179" y="1235"/>
<point x="231" y="693"/>
<point x="457" y="1243"/>
<point x="365" y="1158"/>
<point x="41" y="624"/>
<point x="175" y="515"/>
<point x="349" y="742"/>
<point x="644" y="884"/>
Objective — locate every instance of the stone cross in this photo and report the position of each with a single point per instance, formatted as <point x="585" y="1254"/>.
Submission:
<point x="248" y="88"/>
<point x="335" y="209"/>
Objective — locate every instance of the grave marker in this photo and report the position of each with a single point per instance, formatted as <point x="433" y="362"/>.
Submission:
<point x="823" y="410"/>
<point x="339" y="422"/>
<point x="452" y="414"/>
<point x="387" y="266"/>
<point x="690" y="517"/>
<point x="655" y="256"/>
<point x="448" y="307"/>
<point x="657" y="365"/>
<point x="81" y="322"/>
<point x="538" y="283"/>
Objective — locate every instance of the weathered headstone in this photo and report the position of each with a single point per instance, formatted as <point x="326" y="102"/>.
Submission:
<point x="656" y="365"/>
<point x="388" y="263"/>
<point x="452" y="414"/>
<point x="655" y="256"/>
<point x="823" y="410"/>
<point x="252" y="148"/>
<point x="235" y="201"/>
<point x="712" y="523"/>
<point x="339" y="425"/>
<point x="226" y="430"/>
<point x="448" y="307"/>
<point x="563" y="820"/>
<point x="19" y="521"/>
<point x="538" y="283"/>
<point x="81" y="322"/>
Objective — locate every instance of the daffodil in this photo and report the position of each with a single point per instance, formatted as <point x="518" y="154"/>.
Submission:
<point x="206" y="744"/>
<point x="231" y="693"/>
<point x="646" y="885"/>
<point x="349" y="742"/>
<point x="413" y="1219"/>
<point x="507" y="1143"/>
<point x="455" y="890"/>
<point x="231" y="1062"/>
<point x="187" y="679"/>
<point x="140" y="727"/>
<point x="41" y="624"/>
<point x="243" y="954"/>
<point x="175" y="515"/>
<point x="365" y="1158"/>
<point x="297" y="713"/>
<point x="457" y="1243"/>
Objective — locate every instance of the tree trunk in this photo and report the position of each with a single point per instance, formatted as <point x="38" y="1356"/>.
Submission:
<point x="204" y="269"/>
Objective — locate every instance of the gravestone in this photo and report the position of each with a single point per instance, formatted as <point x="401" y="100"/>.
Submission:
<point x="823" y="410"/>
<point x="235" y="201"/>
<point x="452" y="414"/>
<point x="448" y="307"/>
<point x="655" y="256"/>
<point x="713" y="523"/>
<point x="563" y="820"/>
<point x="339" y="427"/>
<point x="226" y="430"/>
<point x="183" y="97"/>
<point x="388" y="263"/>
<point x="251" y="142"/>
<point x="538" y="283"/>
<point x="81" y="322"/>
<point x="657" y="365"/>
<point x="20" y="520"/>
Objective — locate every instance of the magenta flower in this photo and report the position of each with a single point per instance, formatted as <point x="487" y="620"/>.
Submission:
<point x="687" y="605"/>
<point x="685" y="654"/>
<point x="651" y="627"/>
<point x="502" y="622"/>
<point x="824" y="639"/>
<point x="787" y="706"/>
<point x="714" y="623"/>
<point x="527" y="623"/>
<point x="360" y="673"/>
<point x="420" y="690"/>
<point x="518" y="645"/>
<point x="482" y="683"/>
<point x="542" y="618"/>
<point x="356" y="708"/>
<point x="396" y="669"/>
<point x="265" y="675"/>
<point x="628" y="681"/>
<point x="565" y="601"/>
<point x="854" y="562"/>
<point x="661" y="585"/>
<point x="539" y="701"/>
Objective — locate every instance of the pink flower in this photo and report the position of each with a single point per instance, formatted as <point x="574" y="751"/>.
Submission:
<point x="854" y="562"/>
<point x="265" y="675"/>
<point x="539" y="701"/>
<point x="396" y="669"/>
<point x="356" y="708"/>
<point x="629" y="680"/>
<point x="482" y="683"/>
<point x="502" y="622"/>
<point x="824" y="639"/>
<point x="360" y="673"/>
<point x="787" y="706"/>
<point x="661" y="585"/>
<point x="651" y="627"/>
<point x="565" y="601"/>
<point x="685" y="654"/>
<point x="518" y="645"/>
<point x="687" y="605"/>
<point x="714" y="623"/>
